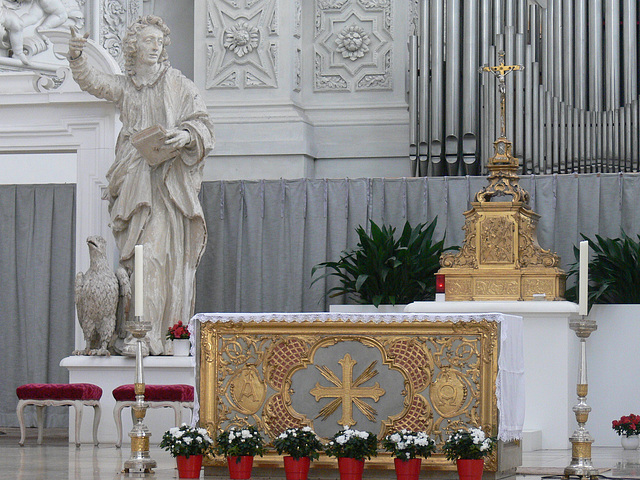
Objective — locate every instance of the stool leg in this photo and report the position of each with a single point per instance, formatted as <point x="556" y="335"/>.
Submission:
<point x="177" y="410"/>
<point x="78" y="407"/>
<point x="20" y="413"/>
<point x="117" y="416"/>
<point x="40" y="417"/>
<point x="97" y="413"/>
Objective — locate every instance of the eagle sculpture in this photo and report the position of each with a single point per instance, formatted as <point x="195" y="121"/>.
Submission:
<point x="101" y="295"/>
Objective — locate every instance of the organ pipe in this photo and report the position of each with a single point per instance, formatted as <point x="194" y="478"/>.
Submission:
<point x="573" y="109"/>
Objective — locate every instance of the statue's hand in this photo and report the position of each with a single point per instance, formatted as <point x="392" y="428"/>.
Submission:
<point x="76" y="44"/>
<point x="178" y="138"/>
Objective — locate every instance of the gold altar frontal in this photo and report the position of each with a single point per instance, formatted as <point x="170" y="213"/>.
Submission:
<point x="380" y="377"/>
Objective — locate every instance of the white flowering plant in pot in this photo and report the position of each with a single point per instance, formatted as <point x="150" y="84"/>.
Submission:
<point x="349" y="443"/>
<point x="186" y="441"/>
<point x="407" y="445"/>
<point x="299" y="443"/>
<point x="240" y="442"/>
<point x="472" y="444"/>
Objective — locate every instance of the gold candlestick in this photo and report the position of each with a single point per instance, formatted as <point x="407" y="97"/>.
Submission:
<point x="581" y="439"/>
<point x="140" y="461"/>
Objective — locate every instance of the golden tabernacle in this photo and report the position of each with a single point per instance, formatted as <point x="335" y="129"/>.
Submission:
<point x="500" y="258"/>
<point x="328" y="371"/>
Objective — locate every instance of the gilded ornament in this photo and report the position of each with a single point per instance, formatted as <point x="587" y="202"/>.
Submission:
<point x="245" y="390"/>
<point x="448" y="393"/>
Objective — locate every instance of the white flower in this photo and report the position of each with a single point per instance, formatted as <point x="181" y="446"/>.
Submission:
<point x="395" y="438"/>
<point x="188" y="440"/>
<point x="282" y="436"/>
<point x="306" y="429"/>
<point x="178" y="434"/>
<point x="402" y="446"/>
<point x="364" y="435"/>
<point x="246" y="434"/>
<point x="342" y="439"/>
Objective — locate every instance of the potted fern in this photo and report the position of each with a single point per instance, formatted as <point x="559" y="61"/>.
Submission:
<point x="383" y="269"/>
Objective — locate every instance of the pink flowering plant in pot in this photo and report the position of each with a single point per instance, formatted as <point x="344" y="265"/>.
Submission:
<point x="178" y="332"/>
<point x="407" y="445"/>
<point x="628" y="425"/>
<point x="472" y="444"/>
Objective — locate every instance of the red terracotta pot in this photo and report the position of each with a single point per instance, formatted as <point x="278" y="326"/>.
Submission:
<point x="408" y="469"/>
<point x="350" y="468"/>
<point x="189" y="467"/>
<point x="240" y="470"/>
<point x="470" y="469"/>
<point x="296" y="469"/>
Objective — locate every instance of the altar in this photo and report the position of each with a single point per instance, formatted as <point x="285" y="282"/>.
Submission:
<point x="374" y="372"/>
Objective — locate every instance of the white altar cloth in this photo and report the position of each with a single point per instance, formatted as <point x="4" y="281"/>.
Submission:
<point x="510" y="378"/>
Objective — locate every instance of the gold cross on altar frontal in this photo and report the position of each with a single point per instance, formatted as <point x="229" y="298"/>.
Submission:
<point x="500" y="72"/>
<point x="348" y="391"/>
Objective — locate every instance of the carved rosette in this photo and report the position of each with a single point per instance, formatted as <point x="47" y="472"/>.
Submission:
<point x="242" y="46"/>
<point x="353" y="45"/>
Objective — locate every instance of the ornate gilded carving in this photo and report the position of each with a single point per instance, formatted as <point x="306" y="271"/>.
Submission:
<point x="531" y="253"/>
<point x="496" y="240"/>
<point x="276" y="375"/>
<point x="347" y="392"/>
<point x="497" y="287"/>
<point x="448" y="393"/>
<point x="467" y="256"/>
<point x="532" y="286"/>
<point x="245" y="390"/>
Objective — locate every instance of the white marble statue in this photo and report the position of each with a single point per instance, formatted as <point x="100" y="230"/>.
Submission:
<point x="154" y="202"/>
<point x="101" y="295"/>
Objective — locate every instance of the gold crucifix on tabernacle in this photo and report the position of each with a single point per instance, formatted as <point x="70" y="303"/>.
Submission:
<point x="501" y="71"/>
<point x="348" y="391"/>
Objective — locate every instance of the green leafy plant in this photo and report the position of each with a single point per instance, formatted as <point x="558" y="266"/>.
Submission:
<point x="614" y="270"/>
<point x="406" y="445"/>
<point x="298" y="443"/>
<point x="469" y="444"/>
<point x="383" y="269"/>
<point x="349" y="443"/>
<point x="186" y="440"/>
<point x="240" y="442"/>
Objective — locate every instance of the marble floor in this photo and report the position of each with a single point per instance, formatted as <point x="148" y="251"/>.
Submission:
<point x="56" y="459"/>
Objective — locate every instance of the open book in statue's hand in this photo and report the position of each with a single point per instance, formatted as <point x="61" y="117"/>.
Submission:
<point x="150" y="142"/>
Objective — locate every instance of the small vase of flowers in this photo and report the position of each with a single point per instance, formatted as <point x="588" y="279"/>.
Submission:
<point x="179" y="336"/>
<point x="628" y="427"/>
<point x="407" y="449"/>
<point x="188" y="445"/>
<point x="300" y="446"/>
<point x="351" y="448"/>
<point x="240" y="445"/>
<point x="468" y="448"/>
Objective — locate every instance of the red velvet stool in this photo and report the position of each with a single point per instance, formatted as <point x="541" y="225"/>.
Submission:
<point x="75" y="395"/>
<point x="157" y="396"/>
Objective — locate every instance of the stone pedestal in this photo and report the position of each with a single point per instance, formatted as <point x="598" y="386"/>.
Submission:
<point x="111" y="372"/>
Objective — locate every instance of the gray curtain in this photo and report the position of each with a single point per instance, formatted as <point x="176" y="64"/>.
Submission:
<point x="37" y="265"/>
<point x="265" y="236"/>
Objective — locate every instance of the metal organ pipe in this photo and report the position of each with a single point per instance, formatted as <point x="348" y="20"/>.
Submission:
<point x="575" y="108"/>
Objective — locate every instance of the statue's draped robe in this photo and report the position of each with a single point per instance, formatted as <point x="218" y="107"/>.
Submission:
<point x="157" y="207"/>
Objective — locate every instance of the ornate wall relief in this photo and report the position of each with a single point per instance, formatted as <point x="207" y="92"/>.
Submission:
<point x="242" y="51"/>
<point x="353" y="45"/>
<point x="116" y="16"/>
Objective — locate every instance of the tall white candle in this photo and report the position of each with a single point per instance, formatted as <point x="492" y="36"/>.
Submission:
<point x="139" y="286"/>
<point x="583" y="286"/>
